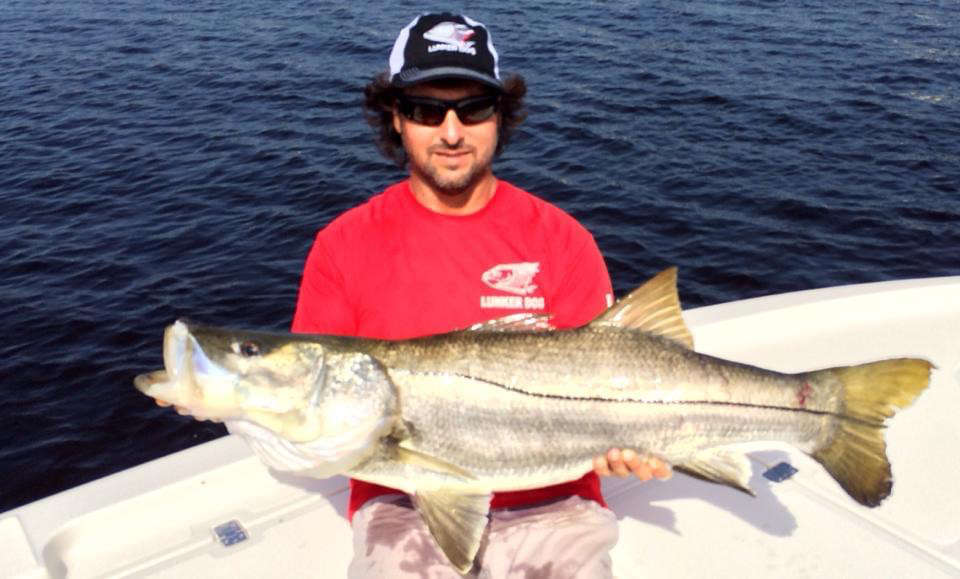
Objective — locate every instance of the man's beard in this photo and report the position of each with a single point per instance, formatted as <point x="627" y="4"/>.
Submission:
<point x="452" y="185"/>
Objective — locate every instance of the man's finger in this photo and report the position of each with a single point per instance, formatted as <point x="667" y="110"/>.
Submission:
<point x="659" y="468"/>
<point x="637" y="465"/>
<point x="633" y="462"/>
<point x="615" y="458"/>
<point x="600" y="465"/>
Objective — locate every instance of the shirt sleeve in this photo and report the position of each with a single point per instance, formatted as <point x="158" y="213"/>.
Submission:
<point x="323" y="306"/>
<point x="585" y="290"/>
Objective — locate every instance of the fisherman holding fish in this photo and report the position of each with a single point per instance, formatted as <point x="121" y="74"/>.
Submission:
<point x="445" y="249"/>
<point x="422" y="359"/>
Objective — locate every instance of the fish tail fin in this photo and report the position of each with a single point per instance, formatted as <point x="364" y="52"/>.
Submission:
<point x="856" y="453"/>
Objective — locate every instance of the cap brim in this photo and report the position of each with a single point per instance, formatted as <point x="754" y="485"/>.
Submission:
<point x="412" y="77"/>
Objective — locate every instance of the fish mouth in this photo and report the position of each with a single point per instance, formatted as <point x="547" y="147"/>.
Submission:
<point x="176" y="339"/>
<point x="146" y="382"/>
<point x="162" y="385"/>
<point x="188" y="377"/>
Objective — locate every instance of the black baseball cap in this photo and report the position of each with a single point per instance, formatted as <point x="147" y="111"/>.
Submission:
<point x="445" y="45"/>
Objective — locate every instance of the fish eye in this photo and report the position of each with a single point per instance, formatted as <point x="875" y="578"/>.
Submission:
<point x="249" y="349"/>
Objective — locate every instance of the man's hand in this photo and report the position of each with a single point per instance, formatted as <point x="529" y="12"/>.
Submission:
<point x="624" y="462"/>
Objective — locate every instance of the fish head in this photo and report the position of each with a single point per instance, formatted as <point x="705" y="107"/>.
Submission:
<point x="299" y="387"/>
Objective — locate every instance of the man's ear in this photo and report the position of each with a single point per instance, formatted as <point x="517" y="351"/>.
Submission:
<point x="397" y="124"/>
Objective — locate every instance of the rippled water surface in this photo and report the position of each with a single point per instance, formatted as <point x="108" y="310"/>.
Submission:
<point x="175" y="158"/>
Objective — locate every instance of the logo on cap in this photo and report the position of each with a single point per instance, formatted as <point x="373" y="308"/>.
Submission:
<point x="452" y="37"/>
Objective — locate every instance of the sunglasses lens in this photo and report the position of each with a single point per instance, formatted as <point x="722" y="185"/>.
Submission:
<point x="421" y="112"/>
<point x="431" y="112"/>
<point x="477" y="111"/>
<point x="428" y="114"/>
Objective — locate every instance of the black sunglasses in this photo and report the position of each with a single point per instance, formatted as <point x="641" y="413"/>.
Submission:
<point x="431" y="112"/>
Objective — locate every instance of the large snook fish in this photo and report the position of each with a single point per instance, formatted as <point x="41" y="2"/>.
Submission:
<point x="506" y="405"/>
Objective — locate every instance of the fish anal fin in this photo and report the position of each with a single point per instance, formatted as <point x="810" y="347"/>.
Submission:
<point x="654" y="307"/>
<point x="720" y="466"/>
<point x="457" y="523"/>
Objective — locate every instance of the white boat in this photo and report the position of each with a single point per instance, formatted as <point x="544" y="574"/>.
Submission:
<point x="215" y="511"/>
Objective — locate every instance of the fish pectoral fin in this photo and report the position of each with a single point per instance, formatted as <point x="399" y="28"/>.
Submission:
<point x="720" y="466"/>
<point x="653" y="307"/>
<point x="431" y="463"/>
<point x="457" y="523"/>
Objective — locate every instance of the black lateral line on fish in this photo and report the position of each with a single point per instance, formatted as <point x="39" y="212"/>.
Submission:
<point x="640" y="401"/>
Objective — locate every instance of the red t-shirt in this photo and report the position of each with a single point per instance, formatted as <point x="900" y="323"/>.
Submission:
<point x="392" y="269"/>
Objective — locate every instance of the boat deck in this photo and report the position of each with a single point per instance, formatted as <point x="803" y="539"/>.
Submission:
<point x="215" y="511"/>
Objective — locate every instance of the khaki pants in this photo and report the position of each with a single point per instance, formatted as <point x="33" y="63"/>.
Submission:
<point x="570" y="538"/>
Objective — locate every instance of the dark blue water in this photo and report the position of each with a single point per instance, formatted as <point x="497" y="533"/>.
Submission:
<point x="174" y="158"/>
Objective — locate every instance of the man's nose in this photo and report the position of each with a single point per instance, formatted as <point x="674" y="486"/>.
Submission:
<point x="452" y="129"/>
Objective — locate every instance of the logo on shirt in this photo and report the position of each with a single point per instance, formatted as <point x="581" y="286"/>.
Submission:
<point x="514" y="278"/>
<point x="452" y="37"/>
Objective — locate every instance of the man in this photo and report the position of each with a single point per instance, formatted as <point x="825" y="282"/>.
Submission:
<point x="449" y="247"/>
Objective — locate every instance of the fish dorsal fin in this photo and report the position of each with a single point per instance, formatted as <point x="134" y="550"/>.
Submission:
<point x="456" y="521"/>
<point x="653" y="307"/>
<point x="522" y="322"/>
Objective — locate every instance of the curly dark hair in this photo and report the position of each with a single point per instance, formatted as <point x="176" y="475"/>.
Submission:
<point x="380" y="97"/>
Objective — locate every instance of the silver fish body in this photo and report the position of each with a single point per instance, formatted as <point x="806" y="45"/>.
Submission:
<point x="454" y="417"/>
<point x="524" y="410"/>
